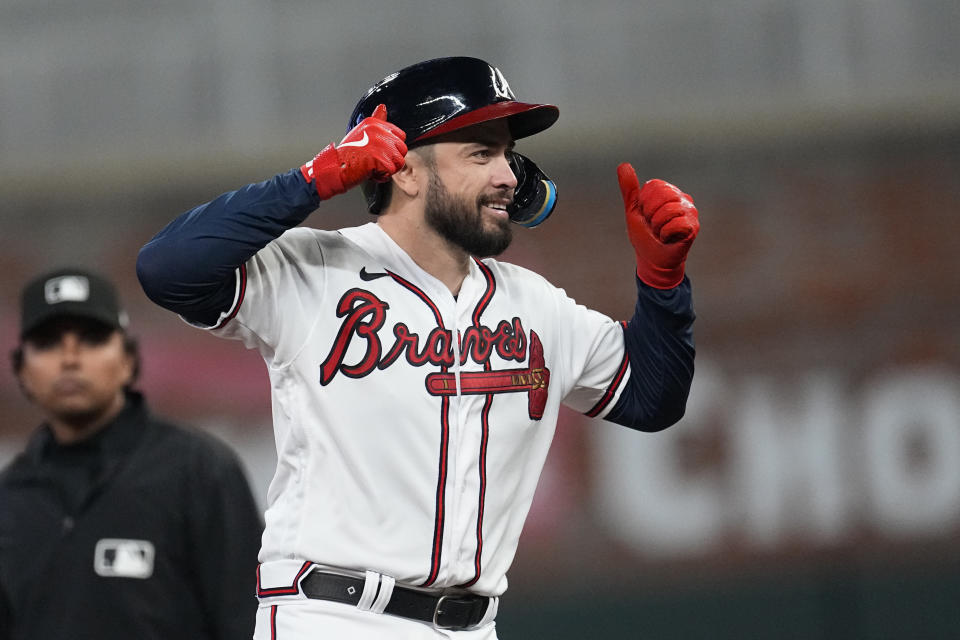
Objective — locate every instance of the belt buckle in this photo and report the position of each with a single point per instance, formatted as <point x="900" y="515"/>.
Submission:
<point x="437" y="611"/>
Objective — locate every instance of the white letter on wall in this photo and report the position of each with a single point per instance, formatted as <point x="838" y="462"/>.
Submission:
<point x="787" y="461"/>
<point x="912" y="433"/>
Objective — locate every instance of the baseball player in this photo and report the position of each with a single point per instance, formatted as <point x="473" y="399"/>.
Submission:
<point x="416" y="380"/>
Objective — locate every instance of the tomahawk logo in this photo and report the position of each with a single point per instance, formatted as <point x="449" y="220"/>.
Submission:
<point x="533" y="381"/>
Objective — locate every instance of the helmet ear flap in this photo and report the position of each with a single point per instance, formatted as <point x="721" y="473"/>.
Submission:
<point x="376" y="194"/>
<point x="535" y="196"/>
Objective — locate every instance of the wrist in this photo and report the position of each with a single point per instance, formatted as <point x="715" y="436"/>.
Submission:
<point x="660" y="277"/>
<point x="323" y="172"/>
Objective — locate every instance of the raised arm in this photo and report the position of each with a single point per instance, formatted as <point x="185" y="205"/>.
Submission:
<point x="662" y="224"/>
<point x="190" y="267"/>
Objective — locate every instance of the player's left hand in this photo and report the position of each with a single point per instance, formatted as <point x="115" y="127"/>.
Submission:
<point x="662" y="224"/>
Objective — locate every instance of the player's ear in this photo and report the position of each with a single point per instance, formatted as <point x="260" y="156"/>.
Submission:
<point x="413" y="177"/>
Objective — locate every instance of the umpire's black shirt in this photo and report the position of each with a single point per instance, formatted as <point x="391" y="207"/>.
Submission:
<point x="144" y="531"/>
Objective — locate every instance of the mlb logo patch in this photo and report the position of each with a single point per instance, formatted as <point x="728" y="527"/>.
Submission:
<point x="118" y="558"/>
<point x="66" y="289"/>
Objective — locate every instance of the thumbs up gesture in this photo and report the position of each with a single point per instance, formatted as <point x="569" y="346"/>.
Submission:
<point x="662" y="224"/>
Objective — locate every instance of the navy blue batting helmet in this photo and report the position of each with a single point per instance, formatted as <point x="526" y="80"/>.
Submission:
<point x="445" y="94"/>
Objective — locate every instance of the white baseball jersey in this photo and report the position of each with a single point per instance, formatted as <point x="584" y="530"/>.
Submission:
<point x="411" y="425"/>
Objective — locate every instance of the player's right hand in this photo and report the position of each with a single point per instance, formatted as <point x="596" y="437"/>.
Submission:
<point x="374" y="149"/>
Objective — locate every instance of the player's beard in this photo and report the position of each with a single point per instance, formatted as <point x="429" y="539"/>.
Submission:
<point x="461" y="223"/>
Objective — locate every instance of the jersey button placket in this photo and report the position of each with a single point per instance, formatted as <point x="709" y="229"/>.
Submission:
<point x="472" y="296"/>
<point x="463" y="537"/>
<point x="452" y="490"/>
<point x="456" y="532"/>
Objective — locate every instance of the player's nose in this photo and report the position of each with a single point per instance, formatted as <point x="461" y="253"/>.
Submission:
<point x="503" y="176"/>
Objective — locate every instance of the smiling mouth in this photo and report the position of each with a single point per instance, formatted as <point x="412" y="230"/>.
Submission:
<point x="498" y="207"/>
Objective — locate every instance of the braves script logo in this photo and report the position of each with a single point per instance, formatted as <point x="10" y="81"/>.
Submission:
<point x="364" y="315"/>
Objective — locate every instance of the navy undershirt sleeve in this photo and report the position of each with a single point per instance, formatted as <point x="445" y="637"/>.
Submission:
<point x="190" y="266"/>
<point x="659" y="344"/>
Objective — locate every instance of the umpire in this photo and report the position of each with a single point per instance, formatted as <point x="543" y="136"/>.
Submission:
<point x="114" y="524"/>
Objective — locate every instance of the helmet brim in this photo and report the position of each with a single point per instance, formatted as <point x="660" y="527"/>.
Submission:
<point x="523" y="118"/>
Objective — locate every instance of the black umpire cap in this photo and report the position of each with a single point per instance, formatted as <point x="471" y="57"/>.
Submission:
<point x="70" y="292"/>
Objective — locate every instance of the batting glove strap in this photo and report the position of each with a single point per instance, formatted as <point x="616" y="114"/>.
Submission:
<point x="323" y="172"/>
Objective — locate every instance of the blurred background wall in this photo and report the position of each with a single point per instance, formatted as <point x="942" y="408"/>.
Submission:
<point x="812" y="490"/>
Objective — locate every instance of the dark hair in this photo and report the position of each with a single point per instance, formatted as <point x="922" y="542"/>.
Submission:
<point x="130" y="346"/>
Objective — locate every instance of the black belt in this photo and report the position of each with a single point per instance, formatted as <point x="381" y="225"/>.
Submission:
<point x="444" y="612"/>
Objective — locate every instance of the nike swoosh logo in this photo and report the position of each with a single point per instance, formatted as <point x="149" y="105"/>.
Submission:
<point x="362" y="142"/>
<point x="367" y="277"/>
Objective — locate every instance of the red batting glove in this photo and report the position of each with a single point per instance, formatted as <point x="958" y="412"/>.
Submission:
<point x="662" y="224"/>
<point x="373" y="149"/>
